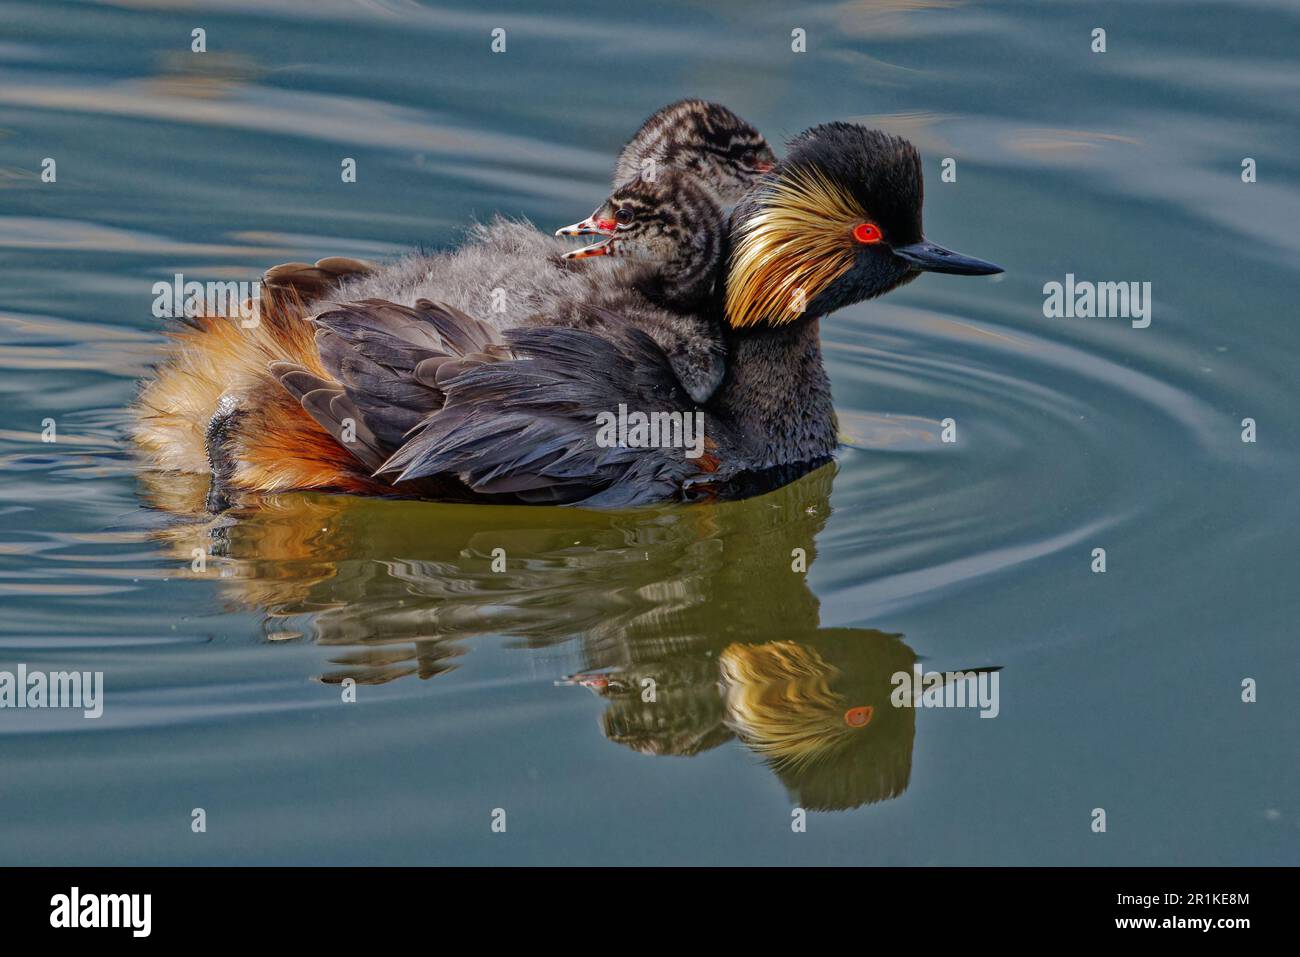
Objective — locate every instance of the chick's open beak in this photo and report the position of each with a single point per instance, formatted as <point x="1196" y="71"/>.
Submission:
<point x="591" y="226"/>
<point x="602" y="248"/>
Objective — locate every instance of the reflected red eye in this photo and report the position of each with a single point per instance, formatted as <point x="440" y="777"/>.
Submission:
<point x="867" y="233"/>
<point x="858" y="717"/>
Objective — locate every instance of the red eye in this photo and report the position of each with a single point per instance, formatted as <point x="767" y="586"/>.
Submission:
<point x="858" y="717"/>
<point x="867" y="233"/>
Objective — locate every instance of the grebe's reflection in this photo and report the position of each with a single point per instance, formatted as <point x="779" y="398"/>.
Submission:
<point x="815" y="707"/>
<point x="689" y="621"/>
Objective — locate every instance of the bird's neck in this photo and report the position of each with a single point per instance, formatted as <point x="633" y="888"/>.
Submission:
<point x="686" y="283"/>
<point x="777" y="393"/>
<point x="685" y="293"/>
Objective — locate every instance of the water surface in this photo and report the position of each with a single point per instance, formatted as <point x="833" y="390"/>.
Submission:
<point x="522" y="690"/>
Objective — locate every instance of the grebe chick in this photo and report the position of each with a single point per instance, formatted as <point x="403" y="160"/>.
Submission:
<point x="672" y="228"/>
<point x="728" y="154"/>
<point x="671" y="180"/>
<point x="706" y="139"/>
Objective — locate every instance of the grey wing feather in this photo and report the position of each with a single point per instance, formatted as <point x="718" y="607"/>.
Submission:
<point x="386" y="363"/>
<point x="437" y="395"/>
<point x="329" y="405"/>
<point x="526" y="428"/>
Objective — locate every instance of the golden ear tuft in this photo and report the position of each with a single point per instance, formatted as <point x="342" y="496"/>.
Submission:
<point x="780" y="702"/>
<point x="792" y="250"/>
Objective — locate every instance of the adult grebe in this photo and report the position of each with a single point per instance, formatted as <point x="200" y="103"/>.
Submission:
<point x="394" y="393"/>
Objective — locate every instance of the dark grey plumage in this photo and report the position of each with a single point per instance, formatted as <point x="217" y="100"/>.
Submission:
<point x="415" y="384"/>
<point x="390" y="363"/>
<point x="541" y="444"/>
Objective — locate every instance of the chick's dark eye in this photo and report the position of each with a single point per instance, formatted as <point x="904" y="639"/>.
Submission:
<point x="749" y="158"/>
<point x="623" y="216"/>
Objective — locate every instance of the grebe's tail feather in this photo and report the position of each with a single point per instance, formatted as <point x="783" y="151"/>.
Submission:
<point x="311" y="282"/>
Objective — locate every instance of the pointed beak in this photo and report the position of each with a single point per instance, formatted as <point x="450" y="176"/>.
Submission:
<point x="595" y="683"/>
<point x="602" y="248"/>
<point x="591" y="226"/>
<point x="931" y="257"/>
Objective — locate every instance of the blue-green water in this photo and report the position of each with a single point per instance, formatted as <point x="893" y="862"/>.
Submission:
<point x="1120" y="691"/>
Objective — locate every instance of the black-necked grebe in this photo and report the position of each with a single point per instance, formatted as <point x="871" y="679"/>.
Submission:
<point x="400" y="390"/>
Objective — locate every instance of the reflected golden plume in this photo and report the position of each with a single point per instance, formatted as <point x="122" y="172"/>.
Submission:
<point x="818" y="712"/>
<point x="792" y="249"/>
<point x="780" y="702"/>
